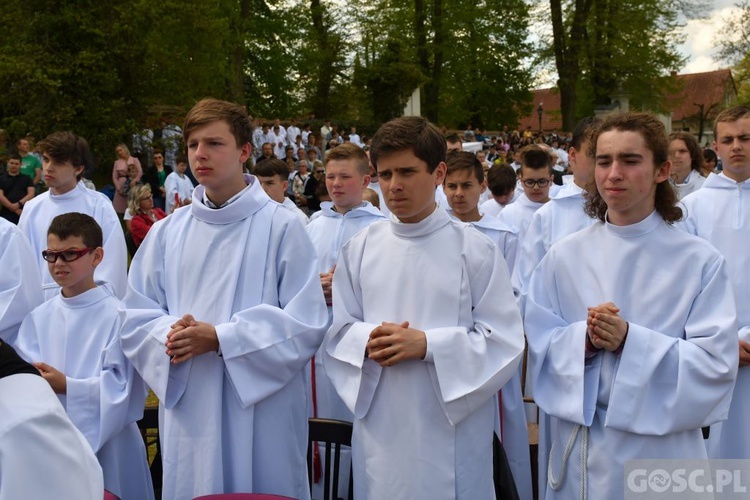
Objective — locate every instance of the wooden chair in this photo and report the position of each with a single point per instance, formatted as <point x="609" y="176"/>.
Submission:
<point x="335" y="434"/>
<point x="150" y="421"/>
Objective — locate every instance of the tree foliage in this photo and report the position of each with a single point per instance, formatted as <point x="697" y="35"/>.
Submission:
<point x="734" y="48"/>
<point x="602" y="47"/>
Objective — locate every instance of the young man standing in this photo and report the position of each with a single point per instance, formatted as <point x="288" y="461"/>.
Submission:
<point x="30" y="165"/>
<point x="631" y="324"/>
<point x="463" y="185"/>
<point x="501" y="181"/>
<point x="346" y="176"/>
<point x="720" y="212"/>
<point x="425" y="332"/>
<point x="223" y="328"/>
<point x="63" y="156"/>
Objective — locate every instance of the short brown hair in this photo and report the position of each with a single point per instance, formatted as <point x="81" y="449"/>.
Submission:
<point x="64" y="146"/>
<point x="535" y="157"/>
<point x="213" y="110"/>
<point x="270" y="167"/>
<point x="412" y="133"/>
<point x="655" y="135"/>
<point x="730" y="115"/>
<point x="463" y="160"/>
<point x="349" y="151"/>
<point x="73" y="224"/>
<point x="501" y="179"/>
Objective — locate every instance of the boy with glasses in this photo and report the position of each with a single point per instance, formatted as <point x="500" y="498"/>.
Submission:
<point x="72" y="339"/>
<point x="535" y="175"/>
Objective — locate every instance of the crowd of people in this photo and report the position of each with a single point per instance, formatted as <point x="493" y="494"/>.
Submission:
<point x="390" y="281"/>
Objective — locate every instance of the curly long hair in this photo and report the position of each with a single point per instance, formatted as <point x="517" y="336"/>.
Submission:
<point x="655" y="135"/>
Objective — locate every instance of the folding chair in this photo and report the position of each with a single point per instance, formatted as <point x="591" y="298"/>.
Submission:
<point x="335" y="434"/>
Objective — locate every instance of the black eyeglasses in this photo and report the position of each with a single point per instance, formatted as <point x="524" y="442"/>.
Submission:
<point x="320" y="171"/>
<point x="66" y="255"/>
<point x="530" y="183"/>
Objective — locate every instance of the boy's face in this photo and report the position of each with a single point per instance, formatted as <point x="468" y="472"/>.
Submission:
<point x="581" y="164"/>
<point x="76" y="276"/>
<point x="463" y="191"/>
<point x="23" y="146"/>
<point x="679" y="155"/>
<point x="60" y="177"/>
<point x="345" y="184"/>
<point x="626" y="176"/>
<point x="181" y="167"/>
<point x="216" y="159"/>
<point x="158" y="159"/>
<point x="274" y="186"/>
<point x="14" y="166"/>
<point x="536" y="183"/>
<point x="733" y="147"/>
<point x="408" y="188"/>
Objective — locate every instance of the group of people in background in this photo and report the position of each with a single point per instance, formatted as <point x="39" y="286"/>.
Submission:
<point x="390" y="281"/>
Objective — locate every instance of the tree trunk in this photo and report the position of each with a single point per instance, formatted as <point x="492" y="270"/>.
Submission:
<point x="568" y="48"/>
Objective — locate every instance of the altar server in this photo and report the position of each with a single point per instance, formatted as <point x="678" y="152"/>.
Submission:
<point x="425" y="332"/>
<point x="720" y="212"/>
<point x="347" y="175"/>
<point x="63" y="161"/>
<point x="631" y="324"/>
<point x="223" y="311"/>
<point x="464" y="184"/>
<point x="72" y="339"/>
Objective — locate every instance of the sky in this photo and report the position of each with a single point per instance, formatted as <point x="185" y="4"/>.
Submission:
<point x="699" y="46"/>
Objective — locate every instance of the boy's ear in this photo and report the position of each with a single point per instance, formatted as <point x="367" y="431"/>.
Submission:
<point x="366" y="181"/>
<point x="247" y="150"/>
<point x="98" y="256"/>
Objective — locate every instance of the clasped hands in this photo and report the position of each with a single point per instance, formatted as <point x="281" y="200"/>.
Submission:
<point x="605" y="328"/>
<point x="189" y="338"/>
<point x="391" y="343"/>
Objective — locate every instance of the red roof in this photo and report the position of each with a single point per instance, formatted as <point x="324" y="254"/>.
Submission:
<point x="715" y="88"/>
<point x="712" y="88"/>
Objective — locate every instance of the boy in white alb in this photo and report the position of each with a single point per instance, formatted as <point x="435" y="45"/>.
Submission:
<point x="501" y="182"/>
<point x="719" y="212"/>
<point x="178" y="187"/>
<point x="425" y="332"/>
<point x="463" y="186"/>
<point x="535" y="175"/>
<point x="63" y="157"/>
<point x="222" y="329"/>
<point x="72" y="339"/>
<point x="347" y="174"/>
<point x="631" y="324"/>
<point x="273" y="176"/>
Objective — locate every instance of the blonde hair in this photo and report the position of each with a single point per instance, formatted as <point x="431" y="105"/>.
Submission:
<point x="137" y="193"/>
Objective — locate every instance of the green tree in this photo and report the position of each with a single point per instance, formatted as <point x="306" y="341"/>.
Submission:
<point x="734" y="48"/>
<point x="602" y="46"/>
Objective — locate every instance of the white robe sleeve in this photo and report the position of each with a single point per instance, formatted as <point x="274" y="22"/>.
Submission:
<point x="102" y="406"/>
<point x="145" y="323"/>
<point x="472" y="365"/>
<point x="20" y="289"/>
<point x="266" y="345"/>
<point x="665" y="384"/>
<point x="114" y="267"/>
<point x="662" y="385"/>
